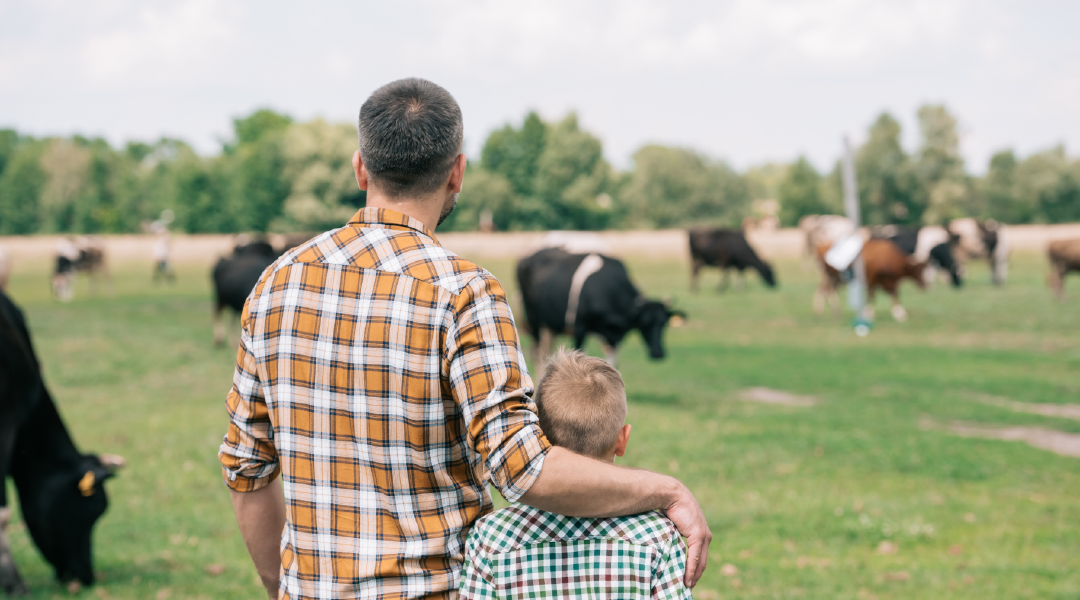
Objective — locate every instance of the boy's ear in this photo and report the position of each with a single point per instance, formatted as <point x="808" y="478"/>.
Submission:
<point x="624" y="436"/>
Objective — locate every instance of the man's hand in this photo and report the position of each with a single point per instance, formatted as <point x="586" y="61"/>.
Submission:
<point x="686" y="513"/>
<point x="261" y="516"/>
<point x="577" y="486"/>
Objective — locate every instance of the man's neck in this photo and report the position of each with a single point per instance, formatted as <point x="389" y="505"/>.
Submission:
<point x="426" y="209"/>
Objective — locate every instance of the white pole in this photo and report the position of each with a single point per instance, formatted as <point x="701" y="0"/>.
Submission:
<point x="857" y="290"/>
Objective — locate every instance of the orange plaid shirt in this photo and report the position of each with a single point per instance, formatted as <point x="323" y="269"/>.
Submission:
<point x="382" y="377"/>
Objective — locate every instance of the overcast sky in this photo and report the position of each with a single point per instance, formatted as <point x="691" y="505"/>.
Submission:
<point x="746" y="80"/>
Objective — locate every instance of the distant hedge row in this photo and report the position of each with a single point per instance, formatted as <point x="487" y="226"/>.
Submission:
<point x="280" y="175"/>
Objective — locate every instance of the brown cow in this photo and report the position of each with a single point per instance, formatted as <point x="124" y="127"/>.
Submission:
<point x="885" y="264"/>
<point x="1064" y="257"/>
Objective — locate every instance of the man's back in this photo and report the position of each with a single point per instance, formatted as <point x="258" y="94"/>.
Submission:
<point x="371" y="364"/>
<point x="523" y="552"/>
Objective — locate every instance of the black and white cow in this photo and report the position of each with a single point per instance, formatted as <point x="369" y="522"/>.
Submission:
<point x="234" y="277"/>
<point x="932" y="245"/>
<point x="987" y="240"/>
<point x="725" y="249"/>
<point x="579" y="294"/>
<point x="60" y="489"/>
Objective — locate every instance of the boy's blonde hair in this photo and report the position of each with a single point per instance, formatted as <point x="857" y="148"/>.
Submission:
<point x="581" y="402"/>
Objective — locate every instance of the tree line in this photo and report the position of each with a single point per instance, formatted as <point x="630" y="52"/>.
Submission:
<point x="276" y="174"/>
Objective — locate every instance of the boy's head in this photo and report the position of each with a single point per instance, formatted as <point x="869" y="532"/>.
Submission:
<point x="581" y="402"/>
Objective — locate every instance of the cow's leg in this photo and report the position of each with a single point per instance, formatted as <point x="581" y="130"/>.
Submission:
<point x="219" y="326"/>
<point x="543" y="351"/>
<point x="11" y="584"/>
<point x="1056" y="280"/>
<point x="695" y="270"/>
<point x="893" y="290"/>
<point x="611" y="354"/>
<point x="725" y="280"/>
<point x="742" y="279"/>
<point x="234" y="319"/>
<point x="820" y="294"/>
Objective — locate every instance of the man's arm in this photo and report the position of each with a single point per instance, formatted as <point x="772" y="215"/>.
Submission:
<point x="261" y="516"/>
<point x="577" y="486"/>
<point x="250" y="465"/>
<point x="487" y="376"/>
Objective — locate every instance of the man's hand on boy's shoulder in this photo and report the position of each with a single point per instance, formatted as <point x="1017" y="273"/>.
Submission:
<point x="688" y="517"/>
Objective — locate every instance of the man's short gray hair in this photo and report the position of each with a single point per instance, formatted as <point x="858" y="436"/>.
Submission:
<point x="581" y="402"/>
<point x="410" y="134"/>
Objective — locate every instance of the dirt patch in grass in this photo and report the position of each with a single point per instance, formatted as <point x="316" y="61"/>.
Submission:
<point x="1063" y="411"/>
<point x="770" y="396"/>
<point x="1058" y="442"/>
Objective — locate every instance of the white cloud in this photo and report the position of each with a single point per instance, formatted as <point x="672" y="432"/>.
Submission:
<point x="164" y="45"/>
<point x="659" y="34"/>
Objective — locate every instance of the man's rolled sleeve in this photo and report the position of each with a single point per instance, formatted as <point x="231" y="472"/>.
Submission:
<point x="489" y="381"/>
<point x="249" y="460"/>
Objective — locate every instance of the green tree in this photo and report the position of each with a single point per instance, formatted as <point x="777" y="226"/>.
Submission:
<point x="515" y="153"/>
<point x="802" y="192"/>
<point x="21" y="185"/>
<point x="888" y="189"/>
<point x="674" y="187"/>
<point x="571" y="175"/>
<point x="1001" y="195"/>
<point x="1051" y="182"/>
<point x="322" y="185"/>
<point x="483" y="190"/>
<point x="940" y="167"/>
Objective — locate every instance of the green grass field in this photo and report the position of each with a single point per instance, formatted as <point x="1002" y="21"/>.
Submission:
<point x="800" y="498"/>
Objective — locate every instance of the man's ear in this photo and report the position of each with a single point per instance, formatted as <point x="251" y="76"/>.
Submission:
<point x="361" y="172"/>
<point x="457" y="174"/>
<point x="624" y="436"/>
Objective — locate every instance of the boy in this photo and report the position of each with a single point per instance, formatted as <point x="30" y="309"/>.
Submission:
<point x="523" y="552"/>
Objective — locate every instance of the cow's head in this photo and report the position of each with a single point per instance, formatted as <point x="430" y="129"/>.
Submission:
<point x="66" y="515"/>
<point x="916" y="271"/>
<point x="650" y="320"/>
<point x="767" y="274"/>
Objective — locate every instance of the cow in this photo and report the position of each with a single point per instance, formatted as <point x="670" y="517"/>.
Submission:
<point x="1064" y="257"/>
<point x="234" y="277"/>
<point x="823" y="229"/>
<point x="987" y="240"/>
<point x="61" y="491"/>
<point x="725" y="249"/>
<point x="579" y="294"/>
<point x="885" y="266"/>
<point x="79" y="255"/>
<point x="932" y="244"/>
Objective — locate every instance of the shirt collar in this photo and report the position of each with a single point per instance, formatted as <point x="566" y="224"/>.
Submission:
<point x="389" y="219"/>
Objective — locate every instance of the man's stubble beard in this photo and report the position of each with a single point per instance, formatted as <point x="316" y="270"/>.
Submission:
<point x="448" y="208"/>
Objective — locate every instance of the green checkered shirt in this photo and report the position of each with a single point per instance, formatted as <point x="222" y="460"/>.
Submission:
<point x="522" y="552"/>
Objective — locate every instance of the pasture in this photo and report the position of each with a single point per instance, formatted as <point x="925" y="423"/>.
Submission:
<point x="857" y="490"/>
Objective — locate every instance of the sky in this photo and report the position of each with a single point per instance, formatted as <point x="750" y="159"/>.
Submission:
<point x="746" y="81"/>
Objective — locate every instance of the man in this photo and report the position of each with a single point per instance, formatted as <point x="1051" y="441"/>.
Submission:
<point x="381" y="376"/>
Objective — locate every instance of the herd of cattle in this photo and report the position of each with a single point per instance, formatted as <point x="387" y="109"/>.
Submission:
<point x="567" y="288"/>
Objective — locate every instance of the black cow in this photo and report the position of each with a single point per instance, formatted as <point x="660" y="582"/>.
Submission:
<point x="578" y="294"/>
<point x="932" y="245"/>
<point x="60" y="489"/>
<point x="725" y="249"/>
<point x="235" y="276"/>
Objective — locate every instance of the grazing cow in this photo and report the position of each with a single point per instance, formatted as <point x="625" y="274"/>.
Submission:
<point x="5" y="269"/>
<point x="1064" y="257"/>
<point x="932" y="245"/>
<point x="725" y="249"/>
<point x="885" y="266"/>
<point x="81" y="255"/>
<point x="982" y="240"/>
<point x="823" y="229"/>
<point x="60" y="489"/>
<point x="578" y="294"/>
<point x="234" y="277"/>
